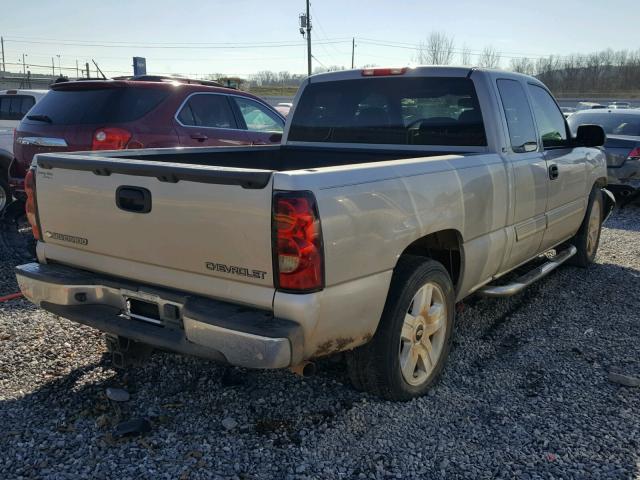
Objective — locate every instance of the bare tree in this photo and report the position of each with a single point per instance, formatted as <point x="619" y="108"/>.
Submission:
<point x="465" y="56"/>
<point x="523" y="65"/>
<point x="438" y="49"/>
<point x="489" y="58"/>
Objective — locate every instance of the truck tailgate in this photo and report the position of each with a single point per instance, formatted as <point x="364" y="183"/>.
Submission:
<point x="207" y="226"/>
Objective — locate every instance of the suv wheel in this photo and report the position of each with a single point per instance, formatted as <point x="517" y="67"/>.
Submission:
<point x="5" y="195"/>
<point x="410" y="347"/>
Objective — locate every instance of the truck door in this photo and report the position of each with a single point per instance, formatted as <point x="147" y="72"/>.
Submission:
<point x="529" y="175"/>
<point x="566" y="169"/>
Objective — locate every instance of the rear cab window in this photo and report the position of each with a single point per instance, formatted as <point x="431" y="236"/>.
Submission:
<point x="522" y="130"/>
<point x="98" y="105"/>
<point x="399" y="111"/>
<point x="14" y="107"/>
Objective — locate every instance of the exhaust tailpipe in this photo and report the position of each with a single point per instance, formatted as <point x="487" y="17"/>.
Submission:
<point x="304" y="369"/>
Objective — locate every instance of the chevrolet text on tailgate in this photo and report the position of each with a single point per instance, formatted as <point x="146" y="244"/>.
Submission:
<point x="395" y="194"/>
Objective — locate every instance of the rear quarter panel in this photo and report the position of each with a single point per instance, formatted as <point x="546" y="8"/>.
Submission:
<point x="370" y="213"/>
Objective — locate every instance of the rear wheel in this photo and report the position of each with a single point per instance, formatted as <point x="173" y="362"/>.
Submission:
<point x="587" y="239"/>
<point x="5" y="195"/>
<point x="409" y="350"/>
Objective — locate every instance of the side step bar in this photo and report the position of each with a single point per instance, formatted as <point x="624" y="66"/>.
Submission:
<point x="528" y="278"/>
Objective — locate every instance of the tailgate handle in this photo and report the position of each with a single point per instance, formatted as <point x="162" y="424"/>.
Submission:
<point x="133" y="199"/>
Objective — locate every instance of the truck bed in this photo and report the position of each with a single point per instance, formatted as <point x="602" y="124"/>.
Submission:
<point x="273" y="158"/>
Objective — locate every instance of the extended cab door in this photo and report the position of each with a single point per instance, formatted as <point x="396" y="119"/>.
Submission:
<point x="529" y="174"/>
<point x="207" y="119"/>
<point x="566" y="169"/>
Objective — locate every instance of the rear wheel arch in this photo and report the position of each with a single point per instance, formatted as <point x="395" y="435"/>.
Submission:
<point x="600" y="182"/>
<point x="445" y="247"/>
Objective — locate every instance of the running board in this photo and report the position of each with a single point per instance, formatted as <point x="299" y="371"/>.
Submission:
<point x="528" y="278"/>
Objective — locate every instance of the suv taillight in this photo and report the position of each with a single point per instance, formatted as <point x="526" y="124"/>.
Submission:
<point x="297" y="243"/>
<point x="110" y="139"/>
<point x="634" y="154"/>
<point x="31" y="206"/>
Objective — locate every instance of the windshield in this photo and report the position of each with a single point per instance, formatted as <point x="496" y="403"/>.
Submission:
<point x="400" y="111"/>
<point x="98" y="106"/>
<point x="613" y="124"/>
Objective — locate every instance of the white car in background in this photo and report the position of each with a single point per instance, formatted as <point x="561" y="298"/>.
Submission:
<point x="284" y="108"/>
<point x="14" y="104"/>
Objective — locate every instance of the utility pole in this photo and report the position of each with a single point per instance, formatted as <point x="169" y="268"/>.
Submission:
<point x="53" y="67"/>
<point x="59" y="67"/>
<point x="305" y="30"/>
<point x="4" y="68"/>
<point x="88" y="74"/>
<point x="353" y="51"/>
<point x="308" y="40"/>
<point x="24" y="66"/>
<point x="77" y="74"/>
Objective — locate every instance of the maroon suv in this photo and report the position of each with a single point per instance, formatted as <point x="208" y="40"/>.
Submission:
<point x="133" y="113"/>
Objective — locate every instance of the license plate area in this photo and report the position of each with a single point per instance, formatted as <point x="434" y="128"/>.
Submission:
<point x="143" y="310"/>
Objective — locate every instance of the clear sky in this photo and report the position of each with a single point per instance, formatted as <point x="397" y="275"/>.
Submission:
<point x="245" y="36"/>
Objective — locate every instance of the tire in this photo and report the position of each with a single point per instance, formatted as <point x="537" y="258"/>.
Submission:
<point x="5" y="195"/>
<point x="405" y="337"/>
<point x="587" y="239"/>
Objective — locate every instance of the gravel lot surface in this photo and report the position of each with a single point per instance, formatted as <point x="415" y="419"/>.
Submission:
<point x="525" y="395"/>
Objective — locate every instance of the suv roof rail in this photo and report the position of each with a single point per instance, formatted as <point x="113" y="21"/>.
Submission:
<point x="167" y="78"/>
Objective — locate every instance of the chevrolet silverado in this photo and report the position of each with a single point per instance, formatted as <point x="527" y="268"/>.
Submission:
<point x="396" y="193"/>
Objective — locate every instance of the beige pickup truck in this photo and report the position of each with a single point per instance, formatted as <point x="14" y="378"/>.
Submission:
<point x="395" y="193"/>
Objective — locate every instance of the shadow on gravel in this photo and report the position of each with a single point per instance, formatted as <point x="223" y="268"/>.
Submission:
<point x="626" y="217"/>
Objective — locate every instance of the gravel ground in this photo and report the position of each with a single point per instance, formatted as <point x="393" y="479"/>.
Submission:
<point x="525" y="395"/>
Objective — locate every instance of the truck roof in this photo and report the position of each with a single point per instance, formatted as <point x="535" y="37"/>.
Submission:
<point x="421" y="71"/>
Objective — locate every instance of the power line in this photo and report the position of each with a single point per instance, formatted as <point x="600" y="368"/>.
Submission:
<point x="174" y="46"/>
<point x="322" y="31"/>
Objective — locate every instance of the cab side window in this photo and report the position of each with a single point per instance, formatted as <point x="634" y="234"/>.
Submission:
<point x="551" y="122"/>
<point x="522" y="131"/>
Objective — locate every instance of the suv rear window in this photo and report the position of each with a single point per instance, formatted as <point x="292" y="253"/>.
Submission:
<point x="98" y="106"/>
<point x="13" y="107"/>
<point x="399" y="111"/>
<point x="613" y="124"/>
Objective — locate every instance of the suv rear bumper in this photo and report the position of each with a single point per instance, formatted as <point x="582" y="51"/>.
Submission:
<point x="188" y="324"/>
<point x="626" y="174"/>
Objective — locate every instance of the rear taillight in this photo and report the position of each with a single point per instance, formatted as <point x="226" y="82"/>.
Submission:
<point x="31" y="206"/>
<point x="110" y="139"/>
<point x="297" y="242"/>
<point x="634" y="154"/>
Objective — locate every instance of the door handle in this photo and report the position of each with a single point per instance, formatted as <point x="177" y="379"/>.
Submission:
<point x="201" y="137"/>
<point x="133" y="199"/>
<point x="553" y="171"/>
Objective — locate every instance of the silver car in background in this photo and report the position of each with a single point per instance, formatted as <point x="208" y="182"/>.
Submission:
<point x="622" y="147"/>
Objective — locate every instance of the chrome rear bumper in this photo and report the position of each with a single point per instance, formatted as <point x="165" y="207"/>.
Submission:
<point x="188" y="324"/>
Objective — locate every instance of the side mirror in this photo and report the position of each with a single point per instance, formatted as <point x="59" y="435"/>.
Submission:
<point x="591" y="136"/>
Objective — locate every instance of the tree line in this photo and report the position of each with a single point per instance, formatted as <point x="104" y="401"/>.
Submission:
<point x="606" y="71"/>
